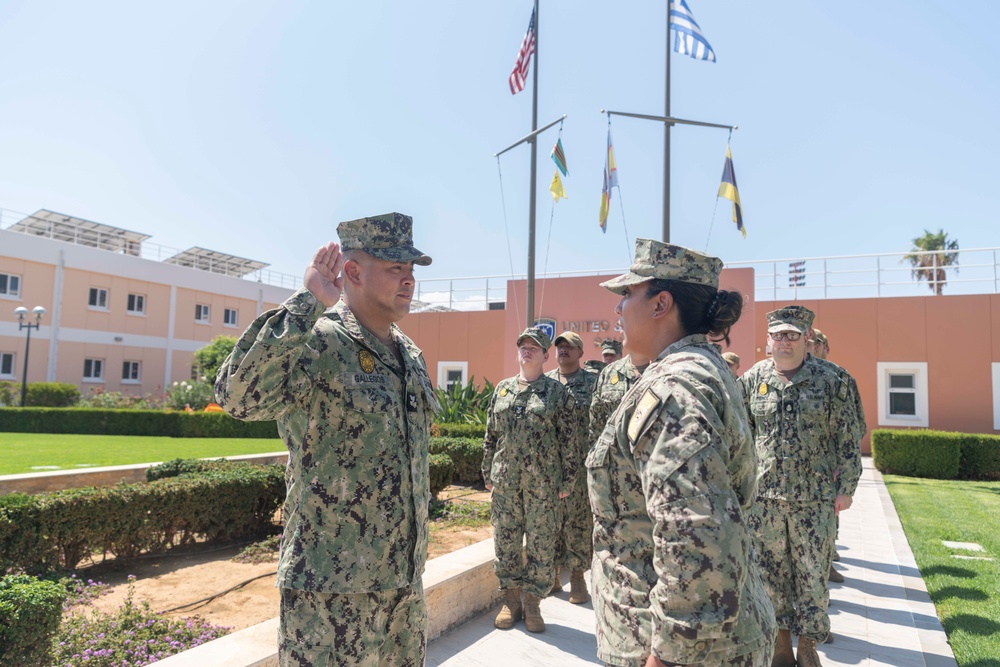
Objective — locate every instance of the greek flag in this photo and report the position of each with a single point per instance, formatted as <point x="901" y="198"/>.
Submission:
<point x="688" y="39"/>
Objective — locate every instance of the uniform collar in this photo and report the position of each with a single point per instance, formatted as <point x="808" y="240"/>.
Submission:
<point x="368" y="339"/>
<point x="700" y="340"/>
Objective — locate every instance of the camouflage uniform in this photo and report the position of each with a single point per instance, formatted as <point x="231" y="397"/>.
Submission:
<point x="670" y="479"/>
<point x="356" y="421"/>
<point x="524" y="461"/>
<point x="805" y="431"/>
<point x="574" y="544"/>
<point x="612" y="384"/>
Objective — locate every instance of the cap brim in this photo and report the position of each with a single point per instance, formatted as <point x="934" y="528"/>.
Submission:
<point x="618" y="285"/>
<point x="400" y="254"/>
<point x="538" y="342"/>
<point x="563" y="338"/>
<point x="784" y="326"/>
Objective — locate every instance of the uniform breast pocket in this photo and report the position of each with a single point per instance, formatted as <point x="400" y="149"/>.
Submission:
<point x="598" y="475"/>
<point x="366" y="422"/>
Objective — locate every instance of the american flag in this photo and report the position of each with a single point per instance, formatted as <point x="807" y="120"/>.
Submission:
<point x="520" y="72"/>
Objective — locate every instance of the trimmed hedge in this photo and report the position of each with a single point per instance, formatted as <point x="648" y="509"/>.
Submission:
<point x="465" y="453"/>
<point x="30" y="613"/>
<point x="40" y="394"/>
<point x="936" y="454"/>
<point x="49" y="531"/>
<point x="459" y="430"/>
<point x="441" y="472"/>
<point x="178" y="467"/>
<point x="91" y="421"/>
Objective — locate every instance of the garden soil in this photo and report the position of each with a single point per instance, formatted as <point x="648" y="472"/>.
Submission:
<point x="171" y="580"/>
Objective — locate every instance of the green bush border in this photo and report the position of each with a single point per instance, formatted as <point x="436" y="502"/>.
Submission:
<point x="94" y="421"/>
<point x="936" y="454"/>
<point x="465" y="453"/>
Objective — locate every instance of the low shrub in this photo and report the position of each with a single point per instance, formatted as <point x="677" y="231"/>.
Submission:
<point x="97" y="397"/>
<point x="917" y="453"/>
<point x="51" y="394"/>
<point x="465" y="453"/>
<point x="177" y="467"/>
<point x="459" y="430"/>
<point x="55" y="530"/>
<point x="194" y="394"/>
<point x="90" y="421"/>
<point x="30" y="613"/>
<point x="10" y="393"/>
<point x="441" y="472"/>
<point x="980" y="456"/>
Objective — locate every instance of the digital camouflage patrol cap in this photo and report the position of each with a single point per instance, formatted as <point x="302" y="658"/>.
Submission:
<point x="571" y="338"/>
<point x="790" y="318"/>
<point x="611" y="345"/>
<point x="537" y="335"/>
<point x="820" y="337"/>
<point x="388" y="237"/>
<point x="655" y="259"/>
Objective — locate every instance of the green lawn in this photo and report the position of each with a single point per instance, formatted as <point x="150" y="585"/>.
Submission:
<point x="38" y="452"/>
<point x="965" y="592"/>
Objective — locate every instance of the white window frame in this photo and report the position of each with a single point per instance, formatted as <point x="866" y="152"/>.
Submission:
<point x="8" y="293"/>
<point x="225" y="317"/>
<point x="98" y="291"/>
<point x="202" y="313"/>
<point x="99" y="376"/>
<point x="996" y="396"/>
<point x="445" y="366"/>
<point x="13" y="365"/>
<point x="135" y="366"/>
<point x="136" y="299"/>
<point x="918" y="369"/>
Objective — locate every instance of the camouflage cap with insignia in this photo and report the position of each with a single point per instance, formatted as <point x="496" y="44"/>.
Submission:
<point x="388" y="237"/>
<point x="790" y="318"/>
<point x="655" y="259"/>
<point x="731" y="358"/>
<point x="820" y="337"/>
<point x="611" y="345"/>
<point x="537" y="335"/>
<point x="571" y="338"/>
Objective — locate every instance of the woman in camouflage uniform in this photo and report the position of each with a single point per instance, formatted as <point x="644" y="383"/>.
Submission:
<point x="670" y="479"/>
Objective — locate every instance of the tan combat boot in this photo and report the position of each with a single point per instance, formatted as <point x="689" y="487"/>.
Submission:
<point x="835" y="577"/>
<point x="510" y="613"/>
<point x="556" y="584"/>
<point x="532" y="615"/>
<point x="783" y="655"/>
<point x="578" y="588"/>
<point x="807" y="655"/>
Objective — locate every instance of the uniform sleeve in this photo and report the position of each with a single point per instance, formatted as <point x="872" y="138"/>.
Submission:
<point x="256" y="382"/>
<point x="571" y="420"/>
<point x="849" y="427"/>
<point x="746" y="383"/>
<point x="490" y="438"/>
<point x="700" y="543"/>
<point x="598" y="412"/>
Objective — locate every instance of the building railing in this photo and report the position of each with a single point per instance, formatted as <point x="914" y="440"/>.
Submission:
<point x="116" y="243"/>
<point x="972" y="271"/>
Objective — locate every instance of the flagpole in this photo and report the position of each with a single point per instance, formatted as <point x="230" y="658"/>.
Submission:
<point x="534" y="165"/>
<point x="666" y="139"/>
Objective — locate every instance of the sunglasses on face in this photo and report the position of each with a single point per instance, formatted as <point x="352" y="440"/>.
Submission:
<point x="786" y="335"/>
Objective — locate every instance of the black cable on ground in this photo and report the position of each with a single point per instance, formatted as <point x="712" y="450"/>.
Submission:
<point x="218" y="595"/>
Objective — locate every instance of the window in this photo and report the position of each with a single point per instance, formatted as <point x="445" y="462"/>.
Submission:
<point x="93" y="370"/>
<point x="10" y="285"/>
<point x="202" y="313"/>
<point x="452" y="373"/>
<point x="902" y="394"/>
<point x="131" y="372"/>
<point x="98" y="298"/>
<point x="136" y="304"/>
<point x="7" y="365"/>
<point x="229" y="317"/>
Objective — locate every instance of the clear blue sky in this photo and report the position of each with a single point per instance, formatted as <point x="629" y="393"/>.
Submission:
<point x="253" y="127"/>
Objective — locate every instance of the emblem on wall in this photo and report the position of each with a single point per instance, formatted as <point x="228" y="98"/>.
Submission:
<point x="548" y="325"/>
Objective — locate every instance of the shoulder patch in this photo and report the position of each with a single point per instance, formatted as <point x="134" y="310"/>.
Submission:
<point x="842" y="389"/>
<point x="646" y="406"/>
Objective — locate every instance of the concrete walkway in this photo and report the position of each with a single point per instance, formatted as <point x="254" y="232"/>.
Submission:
<point x="881" y="615"/>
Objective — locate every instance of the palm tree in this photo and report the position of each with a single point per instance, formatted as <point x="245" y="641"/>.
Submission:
<point x="930" y="256"/>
